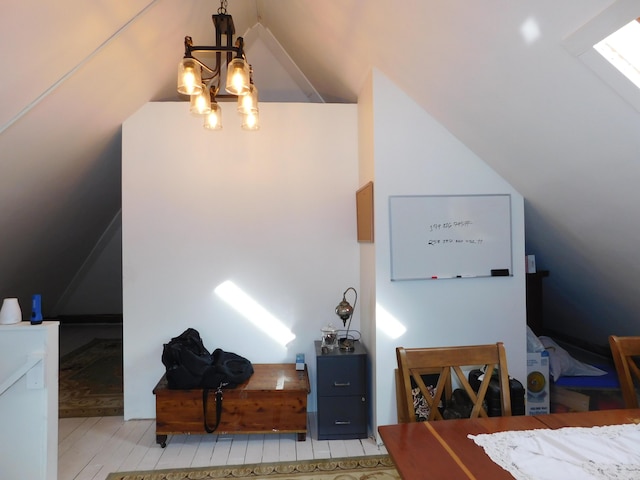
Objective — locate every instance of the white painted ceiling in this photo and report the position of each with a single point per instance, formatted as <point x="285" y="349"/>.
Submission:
<point x="495" y="73"/>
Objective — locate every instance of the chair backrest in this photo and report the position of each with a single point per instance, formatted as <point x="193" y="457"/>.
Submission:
<point x="623" y="350"/>
<point x="413" y="363"/>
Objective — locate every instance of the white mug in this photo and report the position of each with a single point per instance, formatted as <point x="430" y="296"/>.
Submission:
<point x="10" y="311"/>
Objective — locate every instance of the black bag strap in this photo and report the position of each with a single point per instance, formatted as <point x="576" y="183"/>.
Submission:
<point x="205" y="401"/>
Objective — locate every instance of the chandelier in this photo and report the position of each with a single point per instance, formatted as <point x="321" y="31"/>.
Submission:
<point x="200" y="73"/>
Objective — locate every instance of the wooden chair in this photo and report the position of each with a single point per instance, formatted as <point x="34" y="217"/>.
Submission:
<point x="445" y="361"/>
<point x="623" y="350"/>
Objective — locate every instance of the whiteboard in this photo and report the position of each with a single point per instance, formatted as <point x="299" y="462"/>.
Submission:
<point x="450" y="236"/>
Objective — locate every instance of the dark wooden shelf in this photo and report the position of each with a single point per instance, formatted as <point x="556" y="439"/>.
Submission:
<point x="535" y="318"/>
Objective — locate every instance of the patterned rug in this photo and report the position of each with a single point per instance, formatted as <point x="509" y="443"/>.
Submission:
<point x="91" y="380"/>
<point x="354" y="468"/>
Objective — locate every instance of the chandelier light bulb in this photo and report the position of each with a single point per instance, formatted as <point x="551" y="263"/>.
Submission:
<point x="189" y="77"/>
<point x="250" y="121"/>
<point x="244" y="103"/>
<point x="248" y="103"/>
<point x="213" y="120"/>
<point x="237" y="77"/>
<point x="200" y="103"/>
<point x="189" y="80"/>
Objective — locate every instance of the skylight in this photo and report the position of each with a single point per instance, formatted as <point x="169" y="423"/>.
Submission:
<point x="609" y="45"/>
<point x="622" y="50"/>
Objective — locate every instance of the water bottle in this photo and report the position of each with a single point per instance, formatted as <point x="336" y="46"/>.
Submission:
<point x="36" y="309"/>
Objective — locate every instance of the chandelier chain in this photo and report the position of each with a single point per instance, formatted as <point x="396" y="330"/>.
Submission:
<point x="223" y="7"/>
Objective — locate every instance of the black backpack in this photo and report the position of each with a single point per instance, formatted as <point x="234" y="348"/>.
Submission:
<point x="227" y="369"/>
<point x="190" y="365"/>
<point x="186" y="360"/>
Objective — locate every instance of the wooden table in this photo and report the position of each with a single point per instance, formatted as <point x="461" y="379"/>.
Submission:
<point x="442" y="450"/>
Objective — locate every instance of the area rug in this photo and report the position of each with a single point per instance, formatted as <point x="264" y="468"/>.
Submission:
<point x="90" y="381"/>
<point x="354" y="468"/>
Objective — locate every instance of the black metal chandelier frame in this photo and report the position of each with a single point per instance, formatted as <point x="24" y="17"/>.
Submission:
<point x="203" y="83"/>
<point x="223" y="25"/>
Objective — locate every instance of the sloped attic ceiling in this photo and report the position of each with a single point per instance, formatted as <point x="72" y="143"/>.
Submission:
<point x="494" y="73"/>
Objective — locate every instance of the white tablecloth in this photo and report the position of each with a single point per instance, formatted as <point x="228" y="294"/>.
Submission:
<point x="609" y="453"/>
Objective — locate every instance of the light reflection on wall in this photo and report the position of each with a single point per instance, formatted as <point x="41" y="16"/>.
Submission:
<point x="530" y="31"/>
<point x="254" y="312"/>
<point x="388" y="323"/>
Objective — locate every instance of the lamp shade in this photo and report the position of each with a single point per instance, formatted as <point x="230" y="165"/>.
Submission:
<point x="238" y="77"/>
<point x="189" y="77"/>
<point x="248" y="103"/>
<point x="251" y="121"/>
<point x="213" y="120"/>
<point x="200" y="103"/>
<point x="10" y="311"/>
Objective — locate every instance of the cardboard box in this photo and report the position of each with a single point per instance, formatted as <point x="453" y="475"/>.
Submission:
<point x="564" y="399"/>
<point x="537" y="383"/>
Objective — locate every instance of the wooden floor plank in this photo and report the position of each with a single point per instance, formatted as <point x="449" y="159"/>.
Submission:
<point x="304" y="450"/>
<point x="271" y="449"/>
<point x="188" y="451"/>
<point x="202" y="458"/>
<point x="113" y="451"/>
<point x="287" y="447"/>
<point x="74" y="430"/>
<point x="66" y="426"/>
<point x="321" y="448"/>
<point x="371" y="447"/>
<point x="255" y="445"/>
<point x="117" y="449"/>
<point x="353" y="448"/>
<point x="91" y="472"/>
<point x="140" y="437"/>
<point x="221" y="450"/>
<point x="337" y="449"/>
<point x="90" y="448"/>
<point x="152" y="456"/>
<point x="81" y="453"/>
<point x="238" y="450"/>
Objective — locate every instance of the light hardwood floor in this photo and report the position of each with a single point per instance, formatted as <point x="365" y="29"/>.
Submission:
<point x="91" y="448"/>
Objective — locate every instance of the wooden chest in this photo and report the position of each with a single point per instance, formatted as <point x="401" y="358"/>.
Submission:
<point x="273" y="400"/>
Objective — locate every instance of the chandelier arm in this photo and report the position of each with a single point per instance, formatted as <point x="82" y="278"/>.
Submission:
<point x="240" y="48"/>
<point x="205" y="66"/>
<point x="214" y="48"/>
<point x="188" y="43"/>
<point x="217" y="49"/>
<point x="210" y="84"/>
<point x="210" y="80"/>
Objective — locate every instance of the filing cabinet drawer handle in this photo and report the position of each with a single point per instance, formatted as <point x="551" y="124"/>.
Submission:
<point x="339" y="384"/>
<point x="342" y="422"/>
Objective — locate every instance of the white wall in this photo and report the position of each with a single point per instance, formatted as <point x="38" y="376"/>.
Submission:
<point x="413" y="154"/>
<point x="96" y="288"/>
<point x="272" y="210"/>
<point x="366" y="173"/>
<point x="279" y="219"/>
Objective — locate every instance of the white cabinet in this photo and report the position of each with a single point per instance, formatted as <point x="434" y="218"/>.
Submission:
<point x="29" y="401"/>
